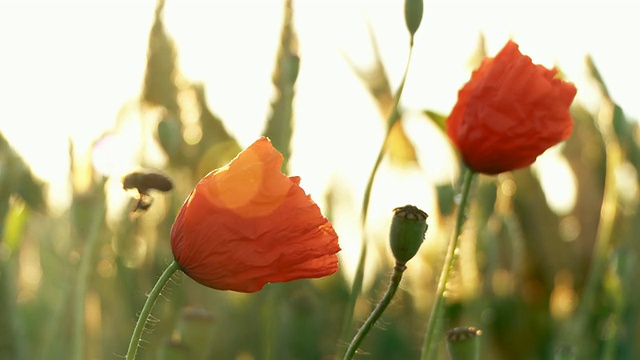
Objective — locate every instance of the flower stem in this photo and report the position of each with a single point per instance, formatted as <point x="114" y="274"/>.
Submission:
<point x="270" y="315"/>
<point x="148" y="306"/>
<point x="430" y="339"/>
<point x="356" y="287"/>
<point x="83" y="276"/>
<point x="396" y="276"/>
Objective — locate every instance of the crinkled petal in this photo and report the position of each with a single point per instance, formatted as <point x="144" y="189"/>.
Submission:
<point x="247" y="224"/>
<point x="509" y="113"/>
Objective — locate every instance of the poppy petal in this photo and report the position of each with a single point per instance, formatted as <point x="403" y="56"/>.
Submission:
<point x="247" y="224"/>
<point x="509" y="113"/>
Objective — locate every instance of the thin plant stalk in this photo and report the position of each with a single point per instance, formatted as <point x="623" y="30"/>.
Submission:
<point x="270" y="315"/>
<point x="84" y="271"/>
<point x="608" y="214"/>
<point x="608" y="210"/>
<point x="394" y="282"/>
<point x="604" y="234"/>
<point x="430" y="339"/>
<point x="356" y="287"/>
<point x="148" y="306"/>
<point x="12" y="344"/>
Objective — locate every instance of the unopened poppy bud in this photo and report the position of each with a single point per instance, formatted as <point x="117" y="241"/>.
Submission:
<point x="463" y="343"/>
<point x="413" y="14"/>
<point x="195" y="329"/>
<point x="565" y="352"/>
<point x="174" y="348"/>
<point x="408" y="227"/>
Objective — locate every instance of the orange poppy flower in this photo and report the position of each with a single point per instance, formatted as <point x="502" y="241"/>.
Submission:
<point x="509" y="113"/>
<point x="247" y="224"/>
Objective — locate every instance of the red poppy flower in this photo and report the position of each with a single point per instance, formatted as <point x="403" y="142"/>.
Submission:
<point x="509" y="113"/>
<point x="247" y="224"/>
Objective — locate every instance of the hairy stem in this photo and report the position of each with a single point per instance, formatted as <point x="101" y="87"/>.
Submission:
<point x="148" y="306"/>
<point x="431" y="339"/>
<point x="356" y="287"/>
<point x="396" y="276"/>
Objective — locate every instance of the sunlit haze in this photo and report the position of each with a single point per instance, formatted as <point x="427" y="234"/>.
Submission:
<point x="69" y="68"/>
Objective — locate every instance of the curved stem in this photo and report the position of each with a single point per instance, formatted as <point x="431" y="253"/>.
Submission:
<point x="356" y="287"/>
<point x="377" y="312"/>
<point x="430" y="339"/>
<point x="608" y="210"/>
<point x="604" y="235"/>
<point x="83" y="276"/>
<point x="392" y="119"/>
<point x="148" y="306"/>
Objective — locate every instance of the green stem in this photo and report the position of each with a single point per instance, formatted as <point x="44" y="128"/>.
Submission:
<point x="148" y="306"/>
<point x="12" y="345"/>
<point x="604" y="234"/>
<point x="358" y="278"/>
<point x="396" y="276"/>
<point x="605" y="229"/>
<point x="83" y="277"/>
<point x="430" y="339"/>
<point x="608" y="209"/>
<point x="270" y="315"/>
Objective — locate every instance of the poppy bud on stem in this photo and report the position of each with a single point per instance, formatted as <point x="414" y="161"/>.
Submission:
<point x="408" y="227"/>
<point x="463" y="343"/>
<point x="565" y="352"/>
<point x="392" y="119"/>
<point x="413" y="15"/>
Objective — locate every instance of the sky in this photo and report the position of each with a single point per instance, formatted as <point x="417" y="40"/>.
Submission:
<point x="69" y="67"/>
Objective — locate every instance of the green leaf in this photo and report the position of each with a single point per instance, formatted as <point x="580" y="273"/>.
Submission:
<point x="14" y="224"/>
<point x="279" y="127"/>
<point x="400" y="149"/>
<point x="17" y="179"/>
<point x="595" y="74"/>
<point x="159" y="81"/>
<point x="438" y="119"/>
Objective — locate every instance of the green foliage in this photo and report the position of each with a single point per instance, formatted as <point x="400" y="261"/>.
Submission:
<point x="398" y="146"/>
<point x="16" y="182"/>
<point x="16" y="179"/>
<point x="524" y="280"/>
<point x="279" y="127"/>
<point x="160" y="79"/>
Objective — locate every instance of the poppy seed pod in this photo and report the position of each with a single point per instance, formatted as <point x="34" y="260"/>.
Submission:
<point x="408" y="227"/>
<point x="463" y="343"/>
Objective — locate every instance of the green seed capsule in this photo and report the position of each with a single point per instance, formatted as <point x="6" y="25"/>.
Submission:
<point x="413" y="14"/>
<point x="195" y="327"/>
<point x="408" y="227"/>
<point x="463" y="343"/>
<point x="565" y="352"/>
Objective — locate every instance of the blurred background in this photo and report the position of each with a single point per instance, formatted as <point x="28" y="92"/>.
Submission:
<point x="91" y="90"/>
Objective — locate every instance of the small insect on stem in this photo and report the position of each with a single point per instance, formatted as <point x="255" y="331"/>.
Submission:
<point x="143" y="181"/>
